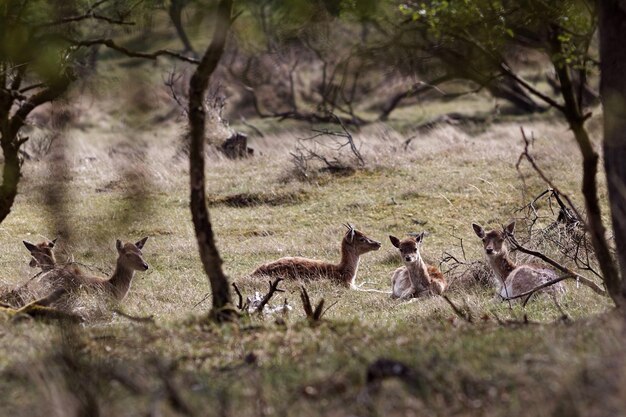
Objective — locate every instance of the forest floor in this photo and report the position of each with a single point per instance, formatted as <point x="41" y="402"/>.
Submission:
<point x="103" y="180"/>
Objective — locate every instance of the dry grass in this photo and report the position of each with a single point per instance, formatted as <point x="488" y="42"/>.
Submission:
<point x="122" y="183"/>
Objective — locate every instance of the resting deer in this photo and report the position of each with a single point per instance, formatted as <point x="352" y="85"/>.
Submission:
<point x="514" y="280"/>
<point x="129" y="260"/>
<point x="41" y="254"/>
<point x="415" y="278"/>
<point x="353" y="245"/>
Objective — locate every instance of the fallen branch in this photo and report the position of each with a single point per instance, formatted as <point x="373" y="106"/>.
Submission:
<point x="145" y="319"/>
<point x="569" y="273"/>
<point x="460" y="313"/>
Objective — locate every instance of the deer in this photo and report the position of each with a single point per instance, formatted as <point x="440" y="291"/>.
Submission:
<point x="416" y="278"/>
<point x="129" y="260"/>
<point x="513" y="280"/>
<point x="41" y="254"/>
<point x="353" y="245"/>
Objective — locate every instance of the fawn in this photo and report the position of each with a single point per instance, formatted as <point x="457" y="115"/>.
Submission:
<point x="353" y="245"/>
<point x="514" y="280"/>
<point x="41" y="254"/>
<point x="129" y="260"/>
<point x="415" y="278"/>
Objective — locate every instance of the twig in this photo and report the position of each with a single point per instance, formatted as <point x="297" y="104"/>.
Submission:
<point x="240" y="304"/>
<point x="463" y="315"/>
<point x="144" y="319"/>
<point x="526" y="155"/>
<point x="206" y="296"/>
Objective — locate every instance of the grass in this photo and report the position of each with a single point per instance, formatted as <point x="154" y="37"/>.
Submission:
<point x="179" y="364"/>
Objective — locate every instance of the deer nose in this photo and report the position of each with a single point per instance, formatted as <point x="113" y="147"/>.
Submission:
<point x="145" y="266"/>
<point x="407" y="258"/>
<point x="489" y="251"/>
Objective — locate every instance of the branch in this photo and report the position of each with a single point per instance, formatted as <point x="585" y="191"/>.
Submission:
<point x="461" y="314"/>
<point x="526" y="154"/>
<point x="570" y="274"/>
<point x="110" y="43"/>
<point x="273" y="289"/>
<point x="88" y="15"/>
<point x="506" y="70"/>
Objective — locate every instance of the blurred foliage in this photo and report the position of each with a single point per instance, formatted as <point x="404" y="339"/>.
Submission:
<point x="493" y="25"/>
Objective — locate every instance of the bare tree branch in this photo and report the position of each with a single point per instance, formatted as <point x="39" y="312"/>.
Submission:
<point x="110" y="43"/>
<point x="570" y="274"/>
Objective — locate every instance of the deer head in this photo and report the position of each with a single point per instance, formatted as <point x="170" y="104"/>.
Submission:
<point x="130" y="256"/>
<point x="494" y="240"/>
<point x="41" y="254"/>
<point x="358" y="241"/>
<point x="409" y="247"/>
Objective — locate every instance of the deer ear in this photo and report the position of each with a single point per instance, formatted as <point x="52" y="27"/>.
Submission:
<point x="52" y="243"/>
<point x="394" y="241"/>
<point x="29" y="245"/>
<point x="119" y="245"/>
<point x="510" y="228"/>
<point x="142" y="242"/>
<point x="419" y="238"/>
<point x="478" y="229"/>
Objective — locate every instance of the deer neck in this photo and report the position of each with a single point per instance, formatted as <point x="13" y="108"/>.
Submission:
<point x="418" y="272"/>
<point x="349" y="264"/>
<point x="120" y="280"/>
<point x="502" y="265"/>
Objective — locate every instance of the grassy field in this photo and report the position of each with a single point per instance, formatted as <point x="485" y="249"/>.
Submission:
<point x="116" y="181"/>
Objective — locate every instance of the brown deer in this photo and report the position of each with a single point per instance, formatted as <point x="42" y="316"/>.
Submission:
<point x="41" y="254"/>
<point x="129" y="260"/>
<point x="513" y="280"/>
<point x="353" y="245"/>
<point x="416" y="278"/>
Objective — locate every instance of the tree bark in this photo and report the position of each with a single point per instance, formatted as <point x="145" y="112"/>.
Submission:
<point x="612" y="20"/>
<point x="10" y="140"/>
<point x="222" y="306"/>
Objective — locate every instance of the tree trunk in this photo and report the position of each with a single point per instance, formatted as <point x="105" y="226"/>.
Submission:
<point x="613" y="91"/>
<point x="176" y="11"/>
<point x="222" y="307"/>
<point x="10" y="175"/>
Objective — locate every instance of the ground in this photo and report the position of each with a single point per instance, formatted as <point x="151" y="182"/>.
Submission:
<point x="122" y="179"/>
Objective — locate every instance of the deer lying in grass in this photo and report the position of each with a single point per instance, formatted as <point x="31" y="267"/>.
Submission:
<point x="514" y="280"/>
<point x="353" y="245"/>
<point x="129" y="260"/>
<point x="415" y="278"/>
<point x="41" y="254"/>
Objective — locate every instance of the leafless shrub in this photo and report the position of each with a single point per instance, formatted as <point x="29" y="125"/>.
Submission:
<point x="327" y="151"/>
<point x="463" y="274"/>
<point x="38" y="147"/>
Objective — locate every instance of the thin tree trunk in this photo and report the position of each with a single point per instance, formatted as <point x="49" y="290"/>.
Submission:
<point x="11" y="141"/>
<point x="175" y="12"/>
<point x="595" y="226"/>
<point x="10" y="176"/>
<point x="222" y="306"/>
<point x="613" y="90"/>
